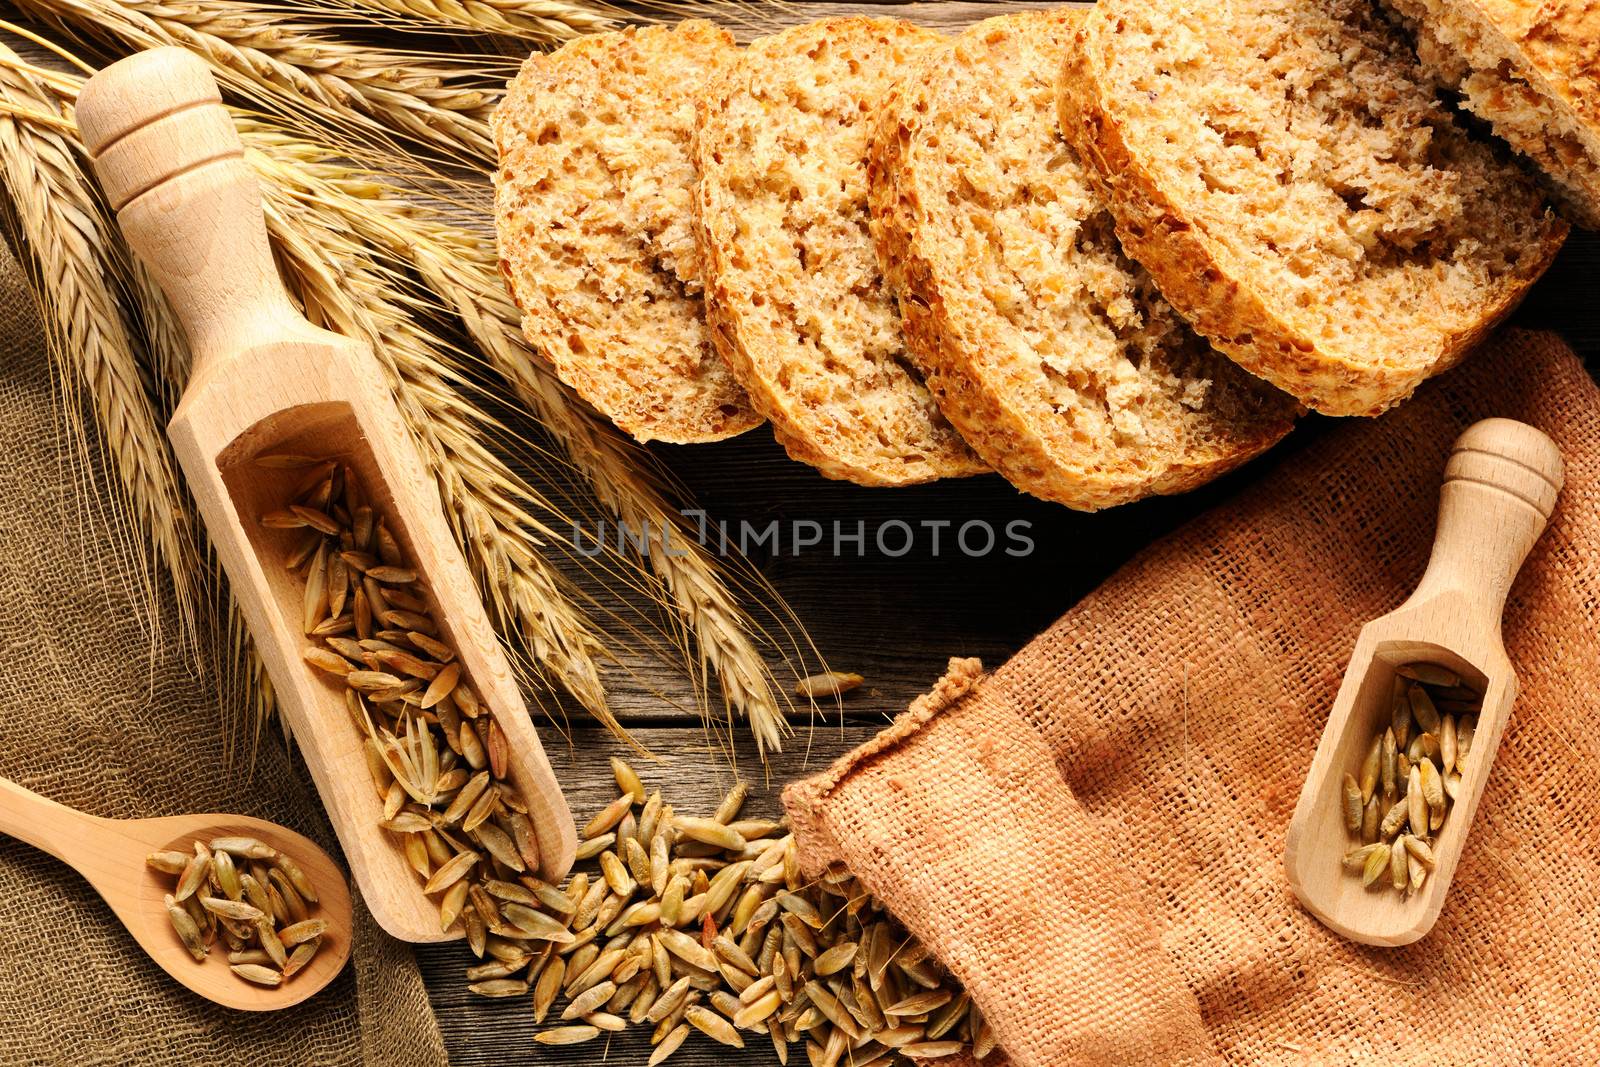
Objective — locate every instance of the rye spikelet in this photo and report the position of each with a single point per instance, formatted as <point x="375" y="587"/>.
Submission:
<point x="165" y="345"/>
<point x="241" y="678"/>
<point x="288" y="68"/>
<point x="321" y="211"/>
<point x="459" y="267"/>
<point x="80" y="274"/>
<point x="544" y="21"/>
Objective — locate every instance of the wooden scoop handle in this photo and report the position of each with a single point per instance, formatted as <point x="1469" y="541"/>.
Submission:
<point x="1500" y="487"/>
<point x="171" y="164"/>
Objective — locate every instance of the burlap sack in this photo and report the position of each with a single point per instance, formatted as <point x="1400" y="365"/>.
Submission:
<point x="1092" y="837"/>
<point x="100" y="709"/>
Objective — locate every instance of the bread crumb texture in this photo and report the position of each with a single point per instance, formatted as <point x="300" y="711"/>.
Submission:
<point x="1532" y="69"/>
<point x="1287" y="175"/>
<point x="592" y="207"/>
<point x="793" y="291"/>
<point x="1049" y="349"/>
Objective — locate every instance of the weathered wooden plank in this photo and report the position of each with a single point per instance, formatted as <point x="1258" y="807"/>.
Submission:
<point x="1567" y="299"/>
<point x="495" y="1033"/>
<point x="894" y="618"/>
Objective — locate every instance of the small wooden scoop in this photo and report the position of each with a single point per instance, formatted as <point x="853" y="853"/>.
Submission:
<point x="266" y="380"/>
<point x="110" y="854"/>
<point x="1500" y="487"/>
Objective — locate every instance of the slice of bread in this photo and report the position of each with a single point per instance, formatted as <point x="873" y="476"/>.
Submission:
<point x="1284" y="171"/>
<point x="1532" y="69"/>
<point x="592" y="208"/>
<point x="793" y="292"/>
<point x="1048" y="349"/>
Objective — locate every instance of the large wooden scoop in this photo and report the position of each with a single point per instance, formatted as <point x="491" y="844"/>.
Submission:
<point x="266" y="380"/>
<point x="1500" y="486"/>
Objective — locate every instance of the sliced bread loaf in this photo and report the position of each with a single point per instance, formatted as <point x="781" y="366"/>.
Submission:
<point x="1049" y="350"/>
<point x="793" y="292"/>
<point x="1284" y="171"/>
<point x="592" y="208"/>
<point x="1532" y="68"/>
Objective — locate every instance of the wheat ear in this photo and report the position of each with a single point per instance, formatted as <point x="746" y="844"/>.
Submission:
<point x="491" y="509"/>
<point x="460" y="268"/>
<point x="290" y="69"/>
<point x="340" y="286"/>
<point x="242" y="680"/>
<point x="80" y="275"/>
<point x="545" y="21"/>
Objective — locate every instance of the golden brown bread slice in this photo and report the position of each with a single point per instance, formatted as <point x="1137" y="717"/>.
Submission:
<point x="793" y="292"/>
<point x="1532" y="68"/>
<point x="592" y="208"/>
<point x="1283" y="170"/>
<point x="1048" y="349"/>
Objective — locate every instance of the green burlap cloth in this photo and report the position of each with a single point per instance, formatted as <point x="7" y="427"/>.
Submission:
<point x="102" y="709"/>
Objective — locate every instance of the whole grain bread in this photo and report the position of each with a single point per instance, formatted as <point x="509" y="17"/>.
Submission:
<point x="1048" y="349"/>
<point x="1532" y="69"/>
<point x="793" y="292"/>
<point x="1287" y="176"/>
<point x="592" y="209"/>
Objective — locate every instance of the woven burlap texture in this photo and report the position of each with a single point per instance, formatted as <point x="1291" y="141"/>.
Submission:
<point x="102" y="708"/>
<point x="1091" y="838"/>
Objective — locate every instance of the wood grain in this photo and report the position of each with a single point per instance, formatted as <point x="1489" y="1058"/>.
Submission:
<point x="894" y="619"/>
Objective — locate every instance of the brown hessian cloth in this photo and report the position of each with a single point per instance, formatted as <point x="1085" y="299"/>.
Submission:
<point x="1091" y="837"/>
<point x="103" y="708"/>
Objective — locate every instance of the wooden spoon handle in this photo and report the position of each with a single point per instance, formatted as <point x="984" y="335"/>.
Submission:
<point x="1500" y="487"/>
<point x="54" y="828"/>
<point x="173" y="168"/>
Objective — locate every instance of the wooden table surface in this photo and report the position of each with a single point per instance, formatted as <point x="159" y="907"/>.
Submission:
<point x="894" y="619"/>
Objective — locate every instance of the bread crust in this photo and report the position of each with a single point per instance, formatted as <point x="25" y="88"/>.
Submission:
<point x="1498" y="52"/>
<point x="954" y="333"/>
<point x="1205" y="282"/>
<point x="913" y="444"/>
<point x="592" y="199"/>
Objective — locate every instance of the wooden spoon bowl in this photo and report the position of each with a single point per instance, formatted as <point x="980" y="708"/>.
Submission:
<point x="1500" y="487"/>
<point x="110" y="854"/>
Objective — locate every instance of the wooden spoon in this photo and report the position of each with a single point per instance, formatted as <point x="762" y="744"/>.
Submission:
<point x="1500" y="486"/>
<point x="266" y="381"/>
<point x="110" y="854"/>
